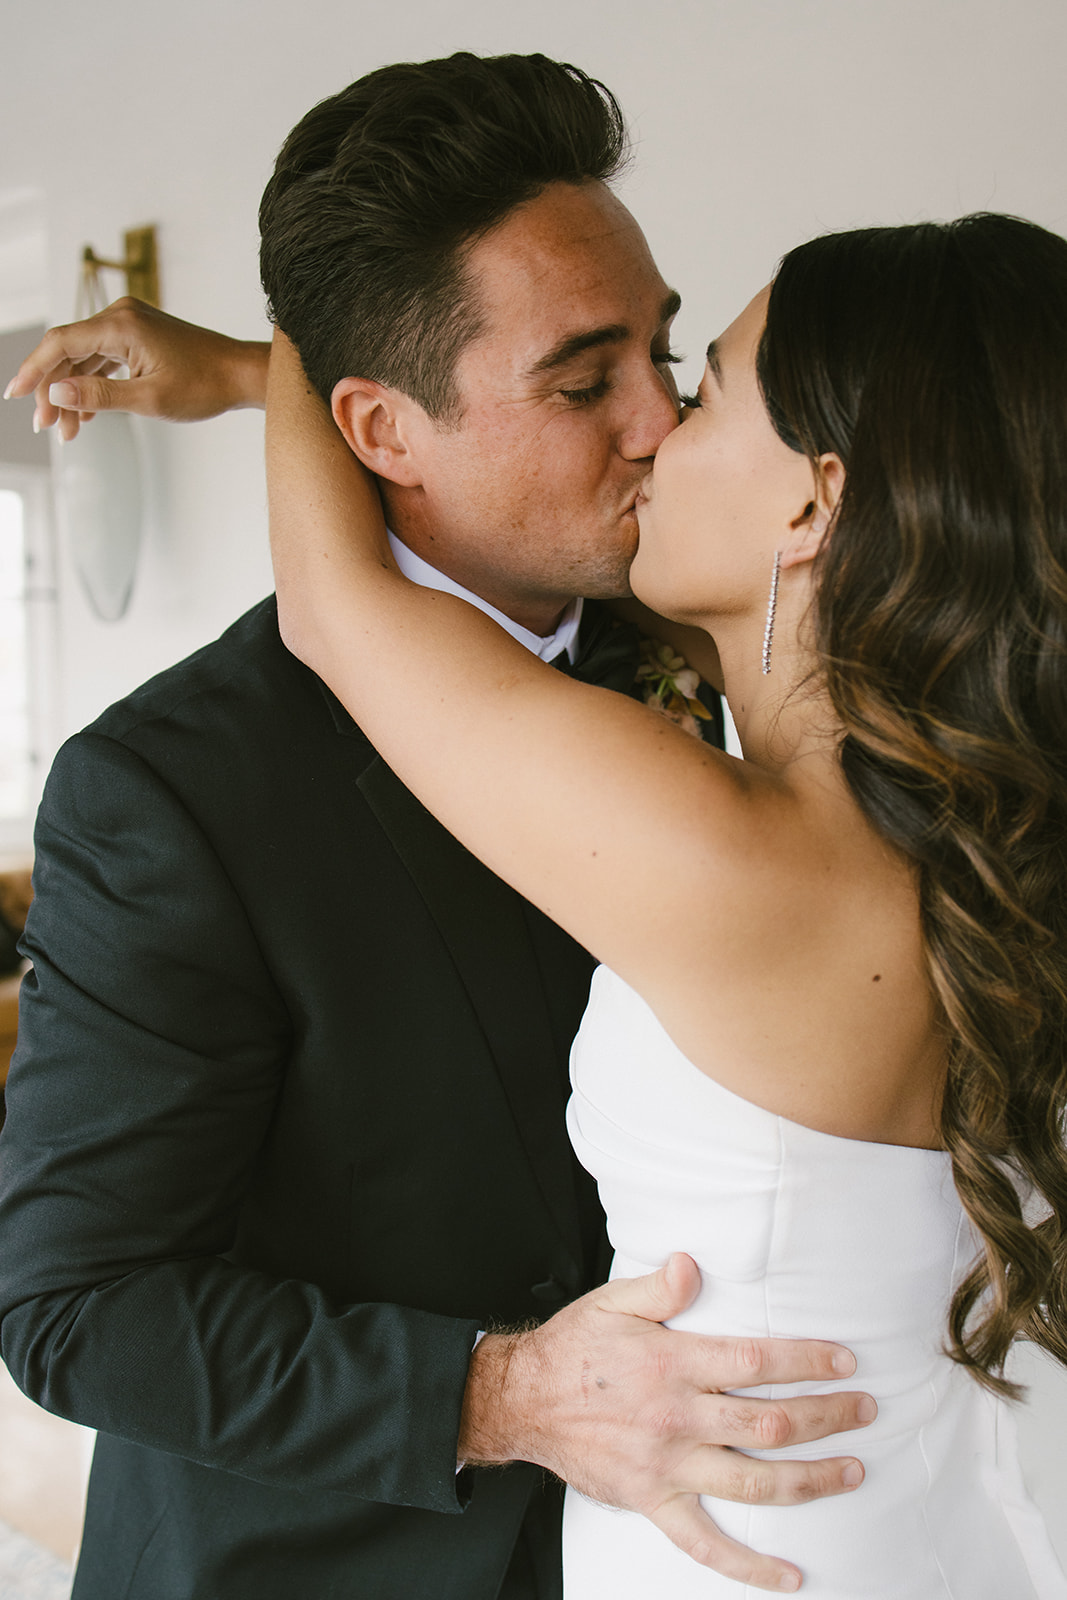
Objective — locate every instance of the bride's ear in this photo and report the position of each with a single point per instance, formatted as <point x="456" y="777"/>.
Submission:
<point x="376" y="424"/>
<point x="810" y="527"/>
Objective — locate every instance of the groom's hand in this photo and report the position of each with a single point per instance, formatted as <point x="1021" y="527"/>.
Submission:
<point x="635" y="1415"/>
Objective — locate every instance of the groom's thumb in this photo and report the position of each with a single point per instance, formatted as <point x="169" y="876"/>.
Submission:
<point x="658" y="1296"/>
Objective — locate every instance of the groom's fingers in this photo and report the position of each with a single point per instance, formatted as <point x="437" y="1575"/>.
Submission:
<point x="723" y="1363"/>
<point x="731" y="1475"/>
<point x="749" y="1363"/>
<point x="657" y="1296"/>
<point x="688" y="1525"/>
<point x="746" y="1423"/>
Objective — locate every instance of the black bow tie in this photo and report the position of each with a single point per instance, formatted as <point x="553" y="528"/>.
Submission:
<point x="607" y="652"/>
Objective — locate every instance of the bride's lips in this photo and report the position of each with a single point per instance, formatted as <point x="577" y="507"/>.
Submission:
<point x="644" y="493"/>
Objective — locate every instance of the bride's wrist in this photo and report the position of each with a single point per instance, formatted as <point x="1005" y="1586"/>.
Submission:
<point x="246" y="373"/>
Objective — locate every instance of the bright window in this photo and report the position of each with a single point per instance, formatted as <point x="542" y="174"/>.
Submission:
<point x="27" y="649"/>
<point x="14" y="662"/>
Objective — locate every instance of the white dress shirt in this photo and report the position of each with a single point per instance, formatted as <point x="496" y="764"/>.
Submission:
<point x="548" y="648"/>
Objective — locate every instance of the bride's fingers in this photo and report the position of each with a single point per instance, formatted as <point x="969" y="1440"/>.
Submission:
<point x="115" y="333"/>
<point x="46" y="414"/>
<point x="747" y="1423"/>
<point x="688" y="1525"/>
<point x="95" y="366"/>
<point x="70" y="423"/>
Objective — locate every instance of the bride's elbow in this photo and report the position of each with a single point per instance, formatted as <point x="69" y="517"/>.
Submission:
<point x="296" y="636"/>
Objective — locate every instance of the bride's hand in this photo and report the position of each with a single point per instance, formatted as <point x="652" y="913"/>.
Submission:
<point x="178" y="372"/>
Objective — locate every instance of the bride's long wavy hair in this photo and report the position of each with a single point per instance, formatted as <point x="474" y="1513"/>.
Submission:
<point x="933" y="360"/>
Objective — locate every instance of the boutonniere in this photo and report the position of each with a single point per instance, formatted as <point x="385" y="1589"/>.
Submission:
<point x="670" y="686"/>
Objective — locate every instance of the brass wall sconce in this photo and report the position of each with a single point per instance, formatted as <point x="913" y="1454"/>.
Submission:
<point x="140" y="263"/>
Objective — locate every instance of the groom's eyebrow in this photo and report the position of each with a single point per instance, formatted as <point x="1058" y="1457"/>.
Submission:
<point x="575" y="344"/>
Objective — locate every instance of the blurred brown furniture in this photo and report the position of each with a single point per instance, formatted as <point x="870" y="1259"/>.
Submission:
<point x="15" y="896"/>
<point x="9" y="1021"/>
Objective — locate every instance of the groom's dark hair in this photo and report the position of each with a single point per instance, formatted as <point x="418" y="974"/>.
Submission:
<point x="379" y="191"/>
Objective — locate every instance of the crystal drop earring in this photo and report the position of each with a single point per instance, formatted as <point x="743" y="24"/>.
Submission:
<point x="772" y="603"/>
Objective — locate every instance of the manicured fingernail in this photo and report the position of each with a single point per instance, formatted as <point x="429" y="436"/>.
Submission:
<point x="7" y="391"/>
<point x="844" y="1362"/>
<point x="790" y="1583"/>
<point x="852" y="1476"/>
<point x="866" y="1410"/>
<point x="62" y="394"/>
<point x="36" y="422"/>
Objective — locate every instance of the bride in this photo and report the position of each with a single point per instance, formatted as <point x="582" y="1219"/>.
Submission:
<point x="835" y="971"/>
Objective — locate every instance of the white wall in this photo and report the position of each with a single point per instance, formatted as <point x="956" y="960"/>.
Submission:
<point x="757" y="122"/>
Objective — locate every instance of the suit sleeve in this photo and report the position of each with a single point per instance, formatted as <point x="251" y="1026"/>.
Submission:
<point x="152" y="1046"/>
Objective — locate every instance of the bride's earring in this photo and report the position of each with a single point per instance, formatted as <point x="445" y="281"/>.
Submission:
<point x="772" y="603"/>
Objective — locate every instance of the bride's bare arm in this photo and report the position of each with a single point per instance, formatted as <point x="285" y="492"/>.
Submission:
<point x="589" y="804"/>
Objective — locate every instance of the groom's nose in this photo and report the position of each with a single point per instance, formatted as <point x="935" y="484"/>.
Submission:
<point x="652" y="414"/>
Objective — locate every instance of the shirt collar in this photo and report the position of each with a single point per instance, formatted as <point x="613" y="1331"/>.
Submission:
<point x="565" y="636"/>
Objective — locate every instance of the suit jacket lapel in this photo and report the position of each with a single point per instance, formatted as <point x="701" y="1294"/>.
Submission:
<point x="482" y="923"/>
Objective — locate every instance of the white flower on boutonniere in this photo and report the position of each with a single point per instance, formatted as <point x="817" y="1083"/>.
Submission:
<point x="670" y="686"/>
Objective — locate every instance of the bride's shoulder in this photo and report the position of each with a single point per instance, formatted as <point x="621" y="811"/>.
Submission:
<point x="763" y="852"/>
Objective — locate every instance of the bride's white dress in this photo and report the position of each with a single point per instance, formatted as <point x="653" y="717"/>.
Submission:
<point x="800" y="1234"/>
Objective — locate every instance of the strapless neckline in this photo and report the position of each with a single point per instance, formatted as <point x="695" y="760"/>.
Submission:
<point x="609" y="989"/>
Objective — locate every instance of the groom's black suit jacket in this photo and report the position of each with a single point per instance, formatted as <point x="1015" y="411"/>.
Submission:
<point x="285" y="1129"/>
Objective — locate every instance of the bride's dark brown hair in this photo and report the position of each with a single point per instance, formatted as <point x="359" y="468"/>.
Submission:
<point x="933" y="360"/>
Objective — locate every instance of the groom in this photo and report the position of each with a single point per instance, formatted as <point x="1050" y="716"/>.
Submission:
<point x="285" y="1131"/>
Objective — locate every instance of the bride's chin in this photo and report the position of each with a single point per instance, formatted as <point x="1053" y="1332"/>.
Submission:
<point x="637" y="576"/>
<point x="647" y="586"/>
<point x="643" y="576"/>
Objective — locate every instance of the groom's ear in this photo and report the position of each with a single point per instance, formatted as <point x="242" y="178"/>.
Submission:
<point x="379" y="427"/>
